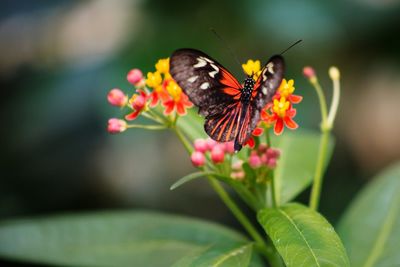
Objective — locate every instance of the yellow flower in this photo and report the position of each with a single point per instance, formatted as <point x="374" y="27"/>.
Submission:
<point x="286" y="88"/>
<point x="252" y="68"/>
<point x="153" y="79"/>
<point x="162" y="65"/>
<point x="281" y="106"/>
<point x="174" y="90"/>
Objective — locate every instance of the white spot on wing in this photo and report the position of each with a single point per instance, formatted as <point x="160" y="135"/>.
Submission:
<point x="200" y="62"/>
<point x="214" y="72"/>
<point x="207" y="59"/>
<point x="264" y="76"/>
<point x="264" y="90"/>
<point x="270" y="67"/>
<point x="205" y="85"/>
<point x="193" y="79"/>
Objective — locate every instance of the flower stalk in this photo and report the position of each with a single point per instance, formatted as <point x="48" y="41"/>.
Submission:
<point x="326" y="127"/>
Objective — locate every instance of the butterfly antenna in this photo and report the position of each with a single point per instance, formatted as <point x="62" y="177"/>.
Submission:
<point x="295" y="43"/>
<point x="227" y="46"/>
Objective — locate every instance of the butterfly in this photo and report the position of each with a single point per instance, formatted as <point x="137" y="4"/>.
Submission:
<point x="231" y="109"/>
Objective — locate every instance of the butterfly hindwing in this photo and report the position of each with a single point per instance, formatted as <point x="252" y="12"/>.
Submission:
<point x="206" y="82"/>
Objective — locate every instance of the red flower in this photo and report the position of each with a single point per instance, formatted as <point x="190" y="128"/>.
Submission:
<point x="138" y="104"/>
<point x="159" y="93"/>
<point x="280" y="113"/>
<point x="178" y="101"/>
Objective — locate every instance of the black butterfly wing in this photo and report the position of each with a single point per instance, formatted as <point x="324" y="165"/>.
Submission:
<point x="266" y="85"/>
<point x="206" y="82"/>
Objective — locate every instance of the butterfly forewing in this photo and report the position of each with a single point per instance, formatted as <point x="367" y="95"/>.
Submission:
<point x="268" y="82"/>
<point x="206" y="82"/>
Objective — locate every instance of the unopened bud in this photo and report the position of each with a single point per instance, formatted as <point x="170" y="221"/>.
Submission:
<point x="117" y="98"/>
<point x="135" y="76"/>
<point x="116" y="126"/>
<point x="217" y="154"/>
<point x="334" y="73"/>
<point x="198" y="159"/>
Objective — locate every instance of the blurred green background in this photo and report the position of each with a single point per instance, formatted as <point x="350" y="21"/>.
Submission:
<point x="58" y="60"/>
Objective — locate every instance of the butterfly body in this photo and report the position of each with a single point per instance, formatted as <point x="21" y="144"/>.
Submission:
<point x="231" y="110"/>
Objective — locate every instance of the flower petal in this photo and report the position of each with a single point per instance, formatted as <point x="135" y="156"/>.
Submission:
<point x="180" y="108"/>
<point x="291" y="124"/>
<point x="291" y="112"/>
<point x="169" y="106"/>
<point x="278" y="128"/>
<point x="132" y="116"/>
<point x="258" y="131"/>
<point x="295" y="99"/>
<point x="154" y="99"/>
<point x="251" y="143"/>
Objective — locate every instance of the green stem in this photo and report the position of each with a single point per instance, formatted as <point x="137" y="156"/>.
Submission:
<point x="183" y="139"/>
<point x="267" y="137"/>
<point x="273" y="194"/>
<point x="272" y="184"/>
<point x="319" y="171"/>
<point x="151" y="117"/>
<point x="268" y="251"/>
<point x="322" y="102"/>
<point x="148" y="127"/>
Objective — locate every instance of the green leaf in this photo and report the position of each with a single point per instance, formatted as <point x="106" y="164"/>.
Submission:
<point x="370" y="228"/>
<point x="123" y="239"/>
<point x="303" y="237"/>
<point x="230" y="255"/>
<point x="239" y="187"/>
<point x="296" y="166"/>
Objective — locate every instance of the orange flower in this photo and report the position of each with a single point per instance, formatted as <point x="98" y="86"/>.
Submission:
<point x="178" y="100"/>
<point x="280" y="113"/>
<point x="286" y="90"/>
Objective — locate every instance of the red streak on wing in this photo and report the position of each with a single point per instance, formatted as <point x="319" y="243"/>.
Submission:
<point x="228" y="80"/>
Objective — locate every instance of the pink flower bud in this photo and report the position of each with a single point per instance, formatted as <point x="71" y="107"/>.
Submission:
<point x="229" y="147"/>
<point x="237" y="165"/>
<point x="210" y="143"/>
<point x="117" y="98"/>
<point x="271" y="163"/>
<point x="254" y="160"/>
<point x="308" y="72"/>
<point x="264" y="158"/>
<point x="116" y="126"/>
<point x="273" y="153"/>
<point x="217" y="154"/>
<point x="135" y="76"/>
<point x="200" y="145"/>
<point x="238" y="175"/>
<point x="198" y="159"/>
<point x="262" y="148"/>
<point x="139" y="102"/>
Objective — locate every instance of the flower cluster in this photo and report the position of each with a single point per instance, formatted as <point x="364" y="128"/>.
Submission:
<point x="264" y="156"/>
<point x="166" y="90"/>
<point x="217" y="151"/>
<point x="156" y="88"/>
